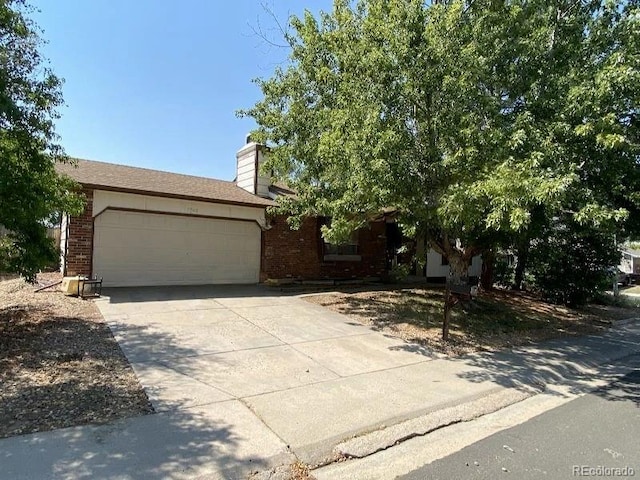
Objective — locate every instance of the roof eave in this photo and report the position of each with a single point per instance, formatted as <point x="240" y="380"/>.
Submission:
<point x="111" y="188"/>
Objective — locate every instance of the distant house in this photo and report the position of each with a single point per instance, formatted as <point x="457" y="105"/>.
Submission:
<point x="148" y="227"/>
<point x="630" y="261"/>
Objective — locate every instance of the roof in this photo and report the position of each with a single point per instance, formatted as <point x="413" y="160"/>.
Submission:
<point x="122" y="178"/>
<point x="280" y="189"/>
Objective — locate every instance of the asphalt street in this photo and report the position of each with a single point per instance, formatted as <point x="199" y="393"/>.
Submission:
<point x="594" y="436"/>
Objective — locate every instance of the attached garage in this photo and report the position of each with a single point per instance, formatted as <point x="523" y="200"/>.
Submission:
<point x="145" y="227"/>
<point x="137" y="248"/>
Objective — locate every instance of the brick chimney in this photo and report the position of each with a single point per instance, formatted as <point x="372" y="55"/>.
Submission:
<point x="249" y="159"/>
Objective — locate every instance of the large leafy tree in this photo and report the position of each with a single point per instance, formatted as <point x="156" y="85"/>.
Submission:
<point x="30" y="189"/>
<point x="479" y="120"/>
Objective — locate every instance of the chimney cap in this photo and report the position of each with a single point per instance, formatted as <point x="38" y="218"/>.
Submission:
<point x="247" y="138"/>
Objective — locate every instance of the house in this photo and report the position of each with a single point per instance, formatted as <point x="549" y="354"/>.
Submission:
<point x="148" y="227"/>
<point x="630" y="261"/>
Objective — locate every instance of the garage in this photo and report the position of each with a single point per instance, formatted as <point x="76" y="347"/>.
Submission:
<point x="133" y="248"/>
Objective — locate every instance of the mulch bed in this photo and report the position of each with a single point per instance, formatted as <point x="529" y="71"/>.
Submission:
<point x="59" y="363"/>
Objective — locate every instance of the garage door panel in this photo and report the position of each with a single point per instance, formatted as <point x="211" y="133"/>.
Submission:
<point x="132" y="248"/>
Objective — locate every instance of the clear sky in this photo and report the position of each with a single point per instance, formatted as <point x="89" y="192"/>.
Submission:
<point x="156" y="83"/>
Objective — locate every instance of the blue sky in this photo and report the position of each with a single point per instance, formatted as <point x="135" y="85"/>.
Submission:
<point x="156" y="83"/>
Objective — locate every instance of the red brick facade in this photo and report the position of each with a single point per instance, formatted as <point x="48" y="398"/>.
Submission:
<point x="286" y="253"/>
<point x="299" y="254"/>
<point x="80" y="240"/>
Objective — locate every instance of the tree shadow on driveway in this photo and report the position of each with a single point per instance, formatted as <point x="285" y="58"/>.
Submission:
<point x="181" y="443"/>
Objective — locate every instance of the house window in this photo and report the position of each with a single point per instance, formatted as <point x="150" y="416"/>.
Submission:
<point x="348" y="251"/>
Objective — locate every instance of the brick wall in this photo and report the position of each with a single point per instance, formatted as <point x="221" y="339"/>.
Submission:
<point x="80" y="240"/>
<point x="299" y="253"/>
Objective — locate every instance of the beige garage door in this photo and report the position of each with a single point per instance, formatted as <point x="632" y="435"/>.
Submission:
<point x="134" y="249"/>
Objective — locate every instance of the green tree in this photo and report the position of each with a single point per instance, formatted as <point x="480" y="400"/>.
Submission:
<point x="571" y="262"/>
<point x="30" y="189"/>
<point x="598" y="128"/>
<point x="470" y="117"/>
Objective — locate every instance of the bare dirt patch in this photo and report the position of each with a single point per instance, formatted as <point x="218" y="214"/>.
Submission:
<point x="59" y="364"/>
<point x="494" y="320"/>
<point x="632" y="290"/>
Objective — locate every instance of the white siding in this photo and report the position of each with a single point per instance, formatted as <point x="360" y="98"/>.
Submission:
<point x="263" y="181"/>
<point x="245" y="175"/>
<point x="629" y="263"/>
<point x="246" y="170"/>
<point x="103" y="199"/>
<point x="626" y="264"/>
<point x="436" y="269"/>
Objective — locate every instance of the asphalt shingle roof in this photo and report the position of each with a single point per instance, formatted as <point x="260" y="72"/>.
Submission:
<point x="111" y="176"/>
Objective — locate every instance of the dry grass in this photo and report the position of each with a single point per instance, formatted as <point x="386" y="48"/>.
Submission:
<point x="59" y="364"/>
<point x="494" y="320"/>
<point x="633" y="290"/>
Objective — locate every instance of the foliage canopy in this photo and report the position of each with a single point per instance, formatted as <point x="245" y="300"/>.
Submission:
<point x="472" y="118"/>
<point x="30" y="189"/>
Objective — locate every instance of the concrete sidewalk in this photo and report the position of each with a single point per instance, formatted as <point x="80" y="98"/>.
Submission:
<point x="244" y="380"/>
<point x="563" y="385"/>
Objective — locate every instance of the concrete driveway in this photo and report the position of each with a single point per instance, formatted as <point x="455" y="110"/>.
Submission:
<point x="203" y="345"/>
<point x="246" y="378"/>
<point x="283" y="374"/>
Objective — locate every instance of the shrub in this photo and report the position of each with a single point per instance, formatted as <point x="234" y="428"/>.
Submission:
<point x="570" y="263"/>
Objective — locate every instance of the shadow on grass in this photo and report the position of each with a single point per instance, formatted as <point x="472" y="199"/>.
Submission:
<point x="493" y="320"/>
<point x="553" y="345"/>
<point x="62" y="371"/>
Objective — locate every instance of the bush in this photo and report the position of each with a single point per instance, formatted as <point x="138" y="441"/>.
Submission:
<point x="570" y="262"/>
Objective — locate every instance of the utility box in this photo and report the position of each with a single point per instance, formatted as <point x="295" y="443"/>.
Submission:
<point x="73" y="285"/>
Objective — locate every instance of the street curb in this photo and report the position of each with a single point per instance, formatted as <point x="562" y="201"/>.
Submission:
<point x="372" y="442"/>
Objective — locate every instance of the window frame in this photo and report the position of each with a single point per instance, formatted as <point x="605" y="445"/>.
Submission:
<point x="332" y="252"/>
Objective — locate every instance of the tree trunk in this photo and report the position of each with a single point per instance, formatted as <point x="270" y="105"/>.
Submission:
<point x="486" y="277"/>
<point x="447" y="314"/>
<point x="522" y="257"/>
<point x="458" y="266"/>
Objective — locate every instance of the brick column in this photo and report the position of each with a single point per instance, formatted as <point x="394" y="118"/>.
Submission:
<point x="80" y="240"/>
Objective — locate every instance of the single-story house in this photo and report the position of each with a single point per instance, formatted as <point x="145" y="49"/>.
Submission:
<point x="148" y="227"/>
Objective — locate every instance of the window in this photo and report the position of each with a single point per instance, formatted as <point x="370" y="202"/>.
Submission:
<point x="348" y="251"/>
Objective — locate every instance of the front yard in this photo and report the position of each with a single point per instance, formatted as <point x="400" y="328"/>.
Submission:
<point x="632" y="290"/>
<point x="59" y="364"/>
<point x="494" y="320"/>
